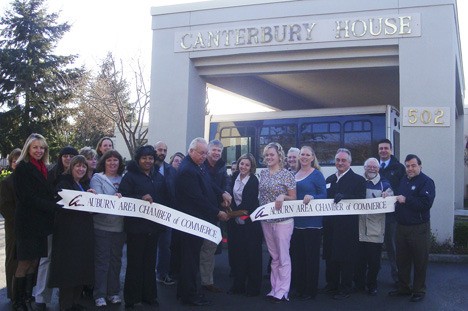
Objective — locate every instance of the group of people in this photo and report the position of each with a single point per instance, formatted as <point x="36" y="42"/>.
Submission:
<point x="79" y="252"/>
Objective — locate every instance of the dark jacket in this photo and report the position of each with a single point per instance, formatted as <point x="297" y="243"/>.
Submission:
<point x="36" y="202"/>
<point x="219" y="175"/>
<point x="393" y="172"/>
<point x="195" y="192"/>
<point x="135" y="184"/>
<point x="420" y="194"/>
<point x="72" y="261"/>
<point x="8" y="199"/>
<point x="249" y="195"/>
<point x="341" y="233"/>
<point x="169" y="178"/>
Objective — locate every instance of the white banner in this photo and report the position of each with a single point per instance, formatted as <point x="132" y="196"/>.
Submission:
<point x="166" y="216"/>
<point x="325" y="207"/>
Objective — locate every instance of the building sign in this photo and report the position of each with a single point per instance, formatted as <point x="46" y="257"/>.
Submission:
<point x="296" y="32"/>
<point x="426" y="116"/>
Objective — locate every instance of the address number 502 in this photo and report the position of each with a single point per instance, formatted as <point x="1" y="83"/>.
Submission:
<point x="427" y="116"/>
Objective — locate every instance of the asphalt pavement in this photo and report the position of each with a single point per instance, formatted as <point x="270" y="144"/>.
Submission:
<point x="447" y="289"/>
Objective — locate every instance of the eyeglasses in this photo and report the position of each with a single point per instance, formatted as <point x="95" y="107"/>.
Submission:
<point x="200" y="153"/>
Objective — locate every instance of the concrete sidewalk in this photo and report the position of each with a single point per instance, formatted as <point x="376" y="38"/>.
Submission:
<point x="447" y="290"/>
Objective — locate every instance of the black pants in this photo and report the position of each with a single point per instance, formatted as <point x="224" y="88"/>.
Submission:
<point x="190" y="264"/>
<point x="140" y="277"/>
<point x="305" y="257"/>
<point x="69" y="296"/>
<point x="341" y="275"/>
<point x="412" y="251"/>
<point x="246" y="257"/>
<point x="368" y="265"/>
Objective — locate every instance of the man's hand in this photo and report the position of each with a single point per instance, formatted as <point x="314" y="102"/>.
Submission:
<point x="338" y="198"/>
<point x="227" y="199"/>
<point x="223" y="216"/>
<point x="401" y="199"/>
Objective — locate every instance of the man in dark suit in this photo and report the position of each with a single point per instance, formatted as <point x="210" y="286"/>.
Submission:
<point x="341" y="233"/>
<point x="196" y="196"/>
<point x="393" y="171"/>
<point x="164" y="242"/>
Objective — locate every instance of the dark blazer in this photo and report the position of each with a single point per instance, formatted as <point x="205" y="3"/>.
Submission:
<point x="36" y="202"/>
<point x="393" y="172"/>
<point x="195" y="193"/>
<point x="249" y="195"/>
<point x="72" y="261"/>
<point x="341" y="233"/>
<point x="169" y="177"/>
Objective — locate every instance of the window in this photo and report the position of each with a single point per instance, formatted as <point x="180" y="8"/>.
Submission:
<point x="236" y="141"/>
<point x="285" y="135"/>
<point x="358" y="139"/>
<point x="324" y="137"/>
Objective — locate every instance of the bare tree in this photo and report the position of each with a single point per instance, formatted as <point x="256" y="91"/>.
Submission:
<point x="110" y="96"/>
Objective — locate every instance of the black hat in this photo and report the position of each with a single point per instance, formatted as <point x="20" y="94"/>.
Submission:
<point x="68" y="150"/>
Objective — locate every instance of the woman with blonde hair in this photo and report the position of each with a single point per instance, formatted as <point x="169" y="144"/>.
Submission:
<point x="277" y="185"/>
<point x="34" y="218"/>
<point x="307" y="234"/>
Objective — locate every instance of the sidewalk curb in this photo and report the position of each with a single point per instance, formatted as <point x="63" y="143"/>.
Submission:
<point x="441" y="258"/>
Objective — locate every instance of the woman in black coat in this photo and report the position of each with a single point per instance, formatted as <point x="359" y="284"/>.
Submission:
<point x="72" y="264"/>
<point x="7" y="209"/>
<point x="142" y="181"/>
<point x="245" y="236"/>
<point x="34" y="216"/>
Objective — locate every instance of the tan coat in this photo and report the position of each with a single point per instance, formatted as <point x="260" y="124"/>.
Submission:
<point x="372" y="226"/>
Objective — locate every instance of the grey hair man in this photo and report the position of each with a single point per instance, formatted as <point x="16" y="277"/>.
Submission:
<point x="216" y="169"/>
<point x="341" y="232"/>
<point x="196" y="196"/>
<point x="371" y="231"/>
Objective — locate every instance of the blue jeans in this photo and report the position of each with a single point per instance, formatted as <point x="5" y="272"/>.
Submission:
<point x="163" y="259"/>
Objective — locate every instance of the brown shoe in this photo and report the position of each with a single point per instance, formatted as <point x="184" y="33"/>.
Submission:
<point x="212" y="288"/>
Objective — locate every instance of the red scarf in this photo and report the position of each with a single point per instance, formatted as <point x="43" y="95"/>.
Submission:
<point x="40" y="166"/>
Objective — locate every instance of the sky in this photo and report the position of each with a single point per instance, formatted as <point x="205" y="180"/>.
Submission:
<point x="124" y="28"/>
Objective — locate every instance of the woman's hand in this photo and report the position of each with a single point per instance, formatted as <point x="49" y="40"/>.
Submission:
<point x="307" y="199"/>
<point x="148" y="198"/>
<point x="119" y="195"/>
<point x="279" y="202"/>
<point x="91" y="190"/>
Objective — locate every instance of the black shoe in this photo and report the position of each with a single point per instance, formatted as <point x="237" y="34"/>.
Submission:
<point x="212" y="288"/>
<point x="276" y="300"/>
<point x="200" y="302"/>
<point x="78" y="307"/>
<point x="398" y="293"/>
<point x="341" y="296"/>
<point x="372" y="291"/>
<point x="252" y="294"/>
<point x="329" y="289"/>
<point x="39" y="306"/>
<point x="305" y="297"/>
<point x="153" y="303"/>
<point x="416" y="297"/>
